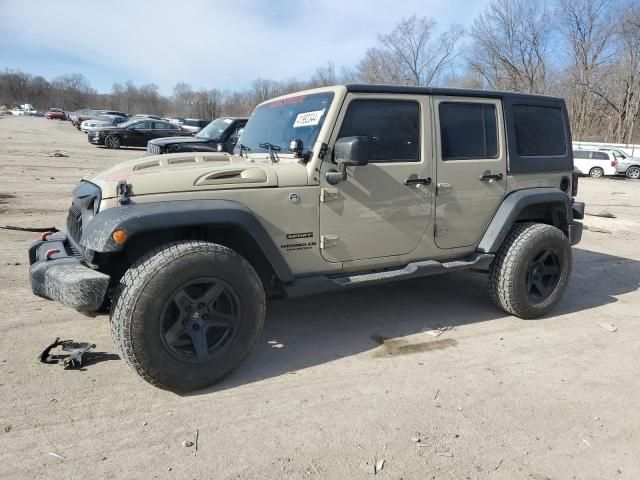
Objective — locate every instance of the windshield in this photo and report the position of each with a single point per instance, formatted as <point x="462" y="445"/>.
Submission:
<point x="278" y="122"/>
<point x="215" y="129"/>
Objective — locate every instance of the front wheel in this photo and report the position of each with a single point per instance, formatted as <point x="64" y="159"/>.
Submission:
<point x="596" y="172"/>
<point x="633" y="173"/>
<point x="112" y="141"/>
<point x="187" y="314"/>
<point x="531" y="270"/>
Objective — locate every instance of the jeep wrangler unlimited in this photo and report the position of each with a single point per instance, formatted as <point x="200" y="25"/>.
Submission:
<point x="327" y="189"/>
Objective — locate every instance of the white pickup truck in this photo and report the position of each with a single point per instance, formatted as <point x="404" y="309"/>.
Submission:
<point x="25" y="109"/>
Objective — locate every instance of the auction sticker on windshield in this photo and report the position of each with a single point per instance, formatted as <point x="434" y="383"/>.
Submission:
<point x="307" y="119"/>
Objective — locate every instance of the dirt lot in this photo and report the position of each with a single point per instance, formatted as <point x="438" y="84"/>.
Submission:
<point x="493" y="397"/>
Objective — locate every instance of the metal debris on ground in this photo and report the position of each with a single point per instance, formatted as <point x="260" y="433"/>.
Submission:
<point x="439" y="330"/>
<point x="379" y="465"/>
<point x="60" y="457"/>
<point x="58" y="153"/>
<point x="596" y="229"/>
<point x="74" y="350"/>
<point x="608" y="326"/>
<point x="197" y="439"/>
<point x="603" y="214"/>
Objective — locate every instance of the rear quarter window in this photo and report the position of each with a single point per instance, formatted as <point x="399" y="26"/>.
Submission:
<point x="539" y="130"/>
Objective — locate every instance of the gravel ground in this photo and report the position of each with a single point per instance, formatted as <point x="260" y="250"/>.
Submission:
<point x="323" y="396"/>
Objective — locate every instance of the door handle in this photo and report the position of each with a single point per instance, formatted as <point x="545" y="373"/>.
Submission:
<point x="418" y="181"/>
<point x="491" y="176"/>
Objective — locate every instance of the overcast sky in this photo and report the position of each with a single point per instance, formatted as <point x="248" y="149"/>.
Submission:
<point x="212" y="44"/>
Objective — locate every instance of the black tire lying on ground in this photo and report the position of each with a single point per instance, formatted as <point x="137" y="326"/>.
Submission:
<point x="531" y="270"/>
<point x="187" y="314"/>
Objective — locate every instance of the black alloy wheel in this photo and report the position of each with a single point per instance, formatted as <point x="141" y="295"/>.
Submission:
<point x="200" y="319"/>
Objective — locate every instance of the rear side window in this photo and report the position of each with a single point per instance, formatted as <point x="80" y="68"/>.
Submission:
<point x="580" y="154"/>
<point x="600" y="156"/>
<point x="540" y="131"/>
<point x="393" y="128"/>
<point x="468" y="130"/>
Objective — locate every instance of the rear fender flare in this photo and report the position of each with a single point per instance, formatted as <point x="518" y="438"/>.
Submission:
<point x="511" y="208"/>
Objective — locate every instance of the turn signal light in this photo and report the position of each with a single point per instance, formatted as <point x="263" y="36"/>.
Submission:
<point x="45" y="235"/>
<point x="119" y="236"/>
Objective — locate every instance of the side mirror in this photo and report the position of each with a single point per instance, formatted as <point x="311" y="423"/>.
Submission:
<point x="352" y="151"/>
<point x="348" y="151"/>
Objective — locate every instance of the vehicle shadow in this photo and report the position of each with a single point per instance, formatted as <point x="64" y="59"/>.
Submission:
<point x="311" y="331"/>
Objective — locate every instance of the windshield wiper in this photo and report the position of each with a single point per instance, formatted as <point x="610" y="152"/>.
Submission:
<point x="272" y="148"/>
<point x="243" y="148"/>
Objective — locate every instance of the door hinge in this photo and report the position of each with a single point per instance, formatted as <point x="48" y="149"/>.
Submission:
<point x="328" y="194"/>
<point x="327" y="241"/>
<point x="443" y="188"/>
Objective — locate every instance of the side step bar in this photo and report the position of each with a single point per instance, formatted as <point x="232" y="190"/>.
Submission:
<point x="322" y="283"/>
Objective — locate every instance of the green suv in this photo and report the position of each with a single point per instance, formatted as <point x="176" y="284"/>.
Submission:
<point x="327" y="189"/>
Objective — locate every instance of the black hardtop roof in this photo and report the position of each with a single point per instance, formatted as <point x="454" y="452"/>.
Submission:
<point x="462" y="92"/>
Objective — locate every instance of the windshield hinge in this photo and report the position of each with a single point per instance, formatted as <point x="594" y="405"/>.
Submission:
<point x="323" y="151"/>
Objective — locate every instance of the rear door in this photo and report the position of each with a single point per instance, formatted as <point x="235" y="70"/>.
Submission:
<point x="163" y="129"/>
<point x="471" y="168"/>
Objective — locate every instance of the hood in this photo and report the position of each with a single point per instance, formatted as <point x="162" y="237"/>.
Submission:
<point x="172" y="140"/>
<point x="190" y="172"/>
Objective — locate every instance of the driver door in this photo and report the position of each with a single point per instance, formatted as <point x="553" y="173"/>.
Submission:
<point x="382" y="209"/>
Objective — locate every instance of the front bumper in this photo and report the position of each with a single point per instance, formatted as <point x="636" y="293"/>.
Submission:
<point x="62" y="276"/>
<point x="94" y="138"/>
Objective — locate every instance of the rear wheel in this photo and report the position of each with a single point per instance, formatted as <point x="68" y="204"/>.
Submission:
<point x="187" y="314"/>
<point x="633" y="172"/>
<point x="112" y="141"/>
<point x="531" y="270"/>
<point x="596" y="172"/>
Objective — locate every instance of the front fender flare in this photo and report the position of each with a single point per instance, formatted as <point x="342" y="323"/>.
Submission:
<point x="146" y="217"/>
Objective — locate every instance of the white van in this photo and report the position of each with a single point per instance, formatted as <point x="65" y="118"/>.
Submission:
<point x="595" y="163"/>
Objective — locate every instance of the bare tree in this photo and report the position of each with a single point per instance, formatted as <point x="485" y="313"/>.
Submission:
<point x="410" y="54"/>
<point x="510" y="46"/>
<point x="589" y="32"/>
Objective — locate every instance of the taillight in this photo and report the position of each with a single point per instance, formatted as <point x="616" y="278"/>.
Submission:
<point x="614" y="162"/>
<point x="574" y="185"/>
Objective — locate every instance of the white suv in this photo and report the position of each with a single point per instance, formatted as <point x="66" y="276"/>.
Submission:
<point x="595" y="163"/>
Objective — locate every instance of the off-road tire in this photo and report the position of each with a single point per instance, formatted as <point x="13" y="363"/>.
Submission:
<point x="138" y="303"/>
<point x="633" y="172"/>
<point x="112" y="141"/>
<point x="596" y="172"/>
<point x="508" y="274"/>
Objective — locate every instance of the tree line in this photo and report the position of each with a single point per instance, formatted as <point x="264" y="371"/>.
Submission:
<point x="587" y="51"/>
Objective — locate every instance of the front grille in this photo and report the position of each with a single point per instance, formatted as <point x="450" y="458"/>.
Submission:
<point x="74" y="222"/>
<point x="153" y="149"/>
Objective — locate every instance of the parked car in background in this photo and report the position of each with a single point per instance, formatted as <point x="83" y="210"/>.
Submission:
<point x="194" y="125"/>
<point x="101" y="122"/>
<point x="25" y="109"/>
<point x="178" y="121"/>
<point x="221" y="135"/>
<point x="134" y="133"/>
<point x="595" y="163"/>
<point x="88" y="115"/>
<point x="71" y="116"/>
<point x="138" y="116"/>
<point x="55" y="113"/>
<point x="627" y="165"/>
